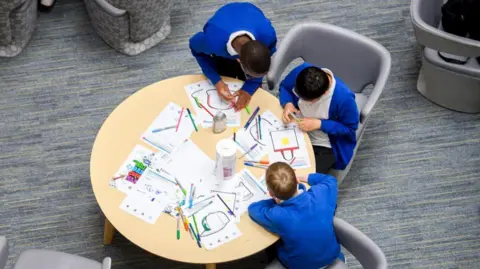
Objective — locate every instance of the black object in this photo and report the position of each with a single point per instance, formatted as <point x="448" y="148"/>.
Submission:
<point x="228" y="67"/>
<point x="462" y="18"/>
<point x="324" y="159"/>
<point x="43" y="8"/>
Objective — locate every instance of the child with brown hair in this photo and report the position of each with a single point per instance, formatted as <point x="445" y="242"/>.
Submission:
<point x="302" y="218"/>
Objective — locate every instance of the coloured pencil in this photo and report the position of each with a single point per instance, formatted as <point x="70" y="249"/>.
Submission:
<point x="248" y="110"/>
<point x="258" y="129"/>
<point x="201" y="207"/>
<point x="259" y="162"/>
<point x="225" y="204"/>
<point x="190" y="199"/>
<point x="295" y="117"/>
<point x="196" y="235"/>
<point x="163" y="129"/>
<point x="118" y="177"/>
<point x="191" y="118"/>
<point x="196" y="101"/>
<point x="256" y="165"/>
<point x="181" y="187"/>
<point x="206" y="109"/>
<point x="196" y="227"/>
<point x="252" y="117"/>
<point x="248" y="151"/>
<point x="291" y="162"/>
<point x="178" y="227"/>
<point x="185" y="224"/>
<point x="204" y="199"/>
<point x="179" y="119"/>
<point x="235" y="134"/>
<point x="260" y="126"/>
<point x="256" y="183"/>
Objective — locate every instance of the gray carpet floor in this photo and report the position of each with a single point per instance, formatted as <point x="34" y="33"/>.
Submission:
<point x="414" y="186"/>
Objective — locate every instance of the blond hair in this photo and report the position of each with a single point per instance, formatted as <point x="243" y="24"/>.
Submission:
<point x="281" y="180"/>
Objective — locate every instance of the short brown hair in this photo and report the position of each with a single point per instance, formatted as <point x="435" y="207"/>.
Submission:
<point x="281" y="180"/>
<point x="255" y="57"/>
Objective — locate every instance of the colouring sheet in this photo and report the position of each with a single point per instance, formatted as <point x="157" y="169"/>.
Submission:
<point x="132" y="168"/>
<point x="146" y="205"/>
<point x="246" y="138"/>
<point x="215" y="225"/>
<point x="163" y="133"/>
<point x="206" y="93"/>
<point x="189" y="164"/>
<point x="288" y="145"/>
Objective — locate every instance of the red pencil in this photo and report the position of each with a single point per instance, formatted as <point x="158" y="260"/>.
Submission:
<point x="206" y="110"/>
<point x="179" y="119"/>
<point x="293" y="160"/>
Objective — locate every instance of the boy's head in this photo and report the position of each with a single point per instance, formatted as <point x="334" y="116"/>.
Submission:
<point x="281" y="181"/>
<point x="255" y="58"/>
<point x="312" y="82"/>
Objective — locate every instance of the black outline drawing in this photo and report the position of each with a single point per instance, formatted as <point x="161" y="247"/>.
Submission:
<point x="229" y="105"/>
<point x="224" y="192"/>
<point x="250" y="193"/>
<point x="204" y="221"/>
<point x="254" y="136"/>
<point x="288" y="149"/>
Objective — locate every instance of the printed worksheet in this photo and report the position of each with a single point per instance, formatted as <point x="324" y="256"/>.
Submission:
<point x="215" y="225"/>
<point x="288" y="145"/>
<point x="163" y="133"/>
<point x="132" y="168"/>
<point x="206" y="94"/>
<point x="145" y="205"/>
<point x="257" y="133"/>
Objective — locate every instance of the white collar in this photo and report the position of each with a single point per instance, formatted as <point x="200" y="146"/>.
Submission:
<point x="234" y="35"/>
<point x="332" y="84"/>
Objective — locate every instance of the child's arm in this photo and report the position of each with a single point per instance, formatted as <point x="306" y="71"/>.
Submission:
<point x="347" y="122"/>
<point x="199" y="51"/>
<point x="251" y="85"/>
<point x="325" y="186"/>
<point x="260" y="212"/>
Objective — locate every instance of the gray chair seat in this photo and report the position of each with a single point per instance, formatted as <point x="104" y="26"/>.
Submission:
<point x="47" y="259"/>
<point x="470" y="68"/>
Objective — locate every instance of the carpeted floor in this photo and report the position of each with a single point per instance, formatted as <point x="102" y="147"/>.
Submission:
<point x="414" y="186"/>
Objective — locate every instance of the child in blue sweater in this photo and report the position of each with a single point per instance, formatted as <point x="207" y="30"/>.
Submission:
<point x="330" y="114"/>
<point x="303" y="219"/>
<point x="238" y="42"/>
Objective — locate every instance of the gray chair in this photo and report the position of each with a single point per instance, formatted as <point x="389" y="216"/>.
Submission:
<point x="130" y="27"/>
<point x="453" y="86"/>
<point x="368" y="254"/>
<point x="47" y="259"/>
<point x="356" y="59"/>
<point x="17" y="23"/>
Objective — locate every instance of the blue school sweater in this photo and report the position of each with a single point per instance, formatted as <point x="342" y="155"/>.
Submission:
<point x="343" y="116"/>
<point x="231" y="18"/>
<point x="304" y="224"/>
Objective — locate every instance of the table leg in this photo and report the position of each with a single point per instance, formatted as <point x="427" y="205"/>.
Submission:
<point x="108" y="232"/>
<point x="210" y="266"/>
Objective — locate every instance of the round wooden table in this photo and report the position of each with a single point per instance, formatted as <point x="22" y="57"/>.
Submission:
<point x="121" y="131"/>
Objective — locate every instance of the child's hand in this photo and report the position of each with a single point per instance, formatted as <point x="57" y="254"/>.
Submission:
<point x="243" y="99"/>
<point x="309" y="124"/>
<point x="223" y="91"/>
<point x="289" y="108"/>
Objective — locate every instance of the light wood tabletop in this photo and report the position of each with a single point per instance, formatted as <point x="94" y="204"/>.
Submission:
<point x="117" y="137"/>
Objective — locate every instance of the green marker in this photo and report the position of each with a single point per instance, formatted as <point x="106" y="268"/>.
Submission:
<point x="196" y="101"/>
<point x="196" y="227"/>
<point x="247" y="109"/>
<point x="178" y="227"/>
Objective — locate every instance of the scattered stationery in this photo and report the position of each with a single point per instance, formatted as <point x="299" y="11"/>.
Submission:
<point x="248" y="151"/>
<point x="193" y="121"/>
<point x="252" y="117"/>
<point x="247" y="109"/>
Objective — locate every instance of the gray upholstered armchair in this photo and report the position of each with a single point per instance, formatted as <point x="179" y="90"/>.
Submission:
<point x="454" y="86"/>
<point x="17" y="23"/>
<point x="368" y="254"/>
<point x="356" y="59"/>
<point x="47" y="259"/>
<point x="130" y="27"/>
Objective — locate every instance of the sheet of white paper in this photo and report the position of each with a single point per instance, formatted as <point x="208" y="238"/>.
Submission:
<point x="132" y="168"/>
<point x="207" y="95"/>
<point x="147" y="206"/>
<point x="215" y="226"/>
<point x="189" y="164"/>
<point x="246" y="138"/>
<point x="288" y="144"/>
<point x="162" y="132"/>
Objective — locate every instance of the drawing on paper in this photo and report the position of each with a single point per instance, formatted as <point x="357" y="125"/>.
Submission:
<point x="253" y="130"/>
<point x="285" y="141"/>
<point x="214" y="222"/>
<point x="213" y="100"/>
<point x="247" y="193"/>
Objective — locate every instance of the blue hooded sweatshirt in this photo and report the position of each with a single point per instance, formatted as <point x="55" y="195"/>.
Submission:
<point x="304" y="224"/>
<point x="343" y="116"/>
<point x="230" y="19"/>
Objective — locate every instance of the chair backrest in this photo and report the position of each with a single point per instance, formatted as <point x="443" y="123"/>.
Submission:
<point x="356" y="59"/>
<point x="3" y="251"/>
<point x="426" y="16"/>
<point x="359" y="245"/>
<point x="6" y="8"/>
